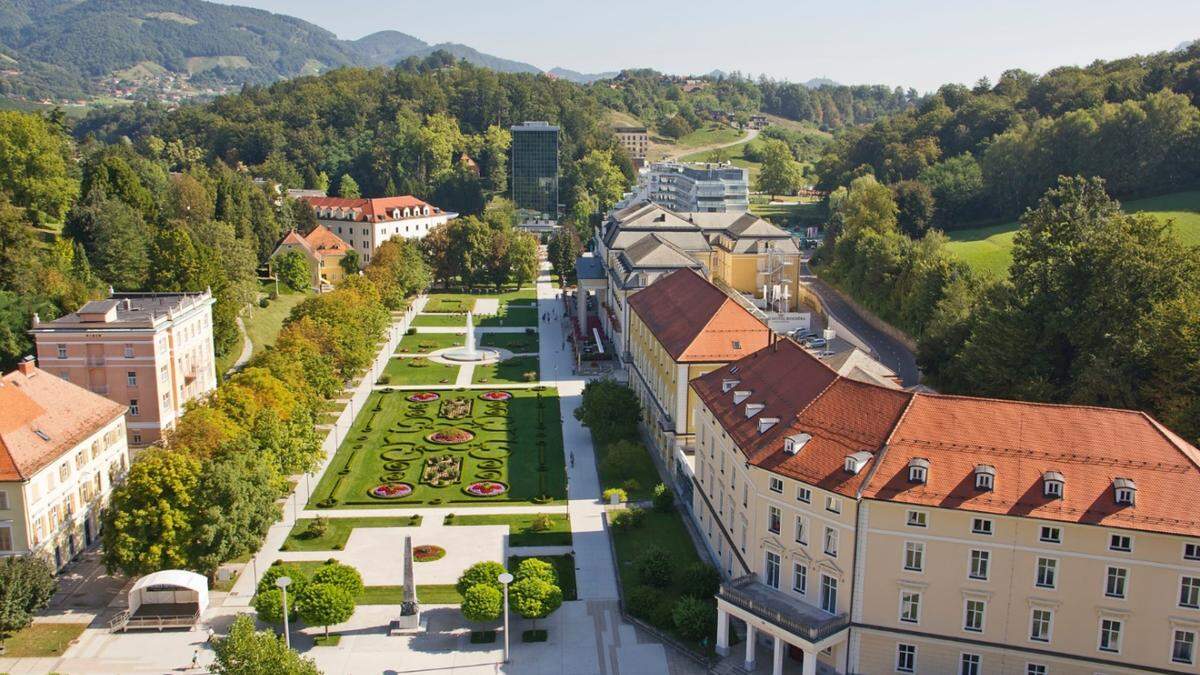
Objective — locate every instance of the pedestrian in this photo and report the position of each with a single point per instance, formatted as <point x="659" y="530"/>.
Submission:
<point x="572" y="459"/>
<point x="195" y="659"/>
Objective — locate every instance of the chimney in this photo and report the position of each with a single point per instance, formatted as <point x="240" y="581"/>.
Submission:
<point x="27" y="365"/>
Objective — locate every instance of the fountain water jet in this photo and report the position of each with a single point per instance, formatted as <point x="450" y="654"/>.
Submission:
<point x="470" y="353"/>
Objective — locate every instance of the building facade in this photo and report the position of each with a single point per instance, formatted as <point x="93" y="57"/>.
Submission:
<point x="534" y="170"/>
<point x="324" y="252"/>
<point x="152" y="353"/>
<point x="881" y="531"/>
<point x="364" y="224"/>
<point x="693" y="188"/>
<point x="62" y="448"/>
<point x="635" y="141"/>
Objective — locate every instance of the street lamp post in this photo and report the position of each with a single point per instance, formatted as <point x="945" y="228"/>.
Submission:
<point x="505" y="579"/>
<point x="282" y="583"/>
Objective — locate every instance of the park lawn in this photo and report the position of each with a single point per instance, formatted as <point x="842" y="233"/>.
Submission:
<point x="42" y="639"/>
<point x="510" y="446"/>
<point x="711" y="135"/>
<point x="643" y="472"/>
<point x="439" y="321"/>
<point x="423" y="343"/>
<point x="443" y="301"/>
<point x="518" y="343"/>
<point x="263" y="324"/>
<point x="520" y="527"/>
<point x="564" y="565"/>
<point x="511" y="316"/>
<point x="509" y="371"/>
<point x="427" y="594"/>
<point x="337" y="532"/>
<point x="416" y="370"/>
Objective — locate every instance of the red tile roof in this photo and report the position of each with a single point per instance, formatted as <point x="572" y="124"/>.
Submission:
<point x="377" y="210"/>
<point x="695" y="321"/>
<point x="324" y="242"/>
<point x="1089" y="446"/>
<point x="63" y="413"/>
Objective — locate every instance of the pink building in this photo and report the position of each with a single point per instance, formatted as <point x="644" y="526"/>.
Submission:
<point x="152" y="352"/>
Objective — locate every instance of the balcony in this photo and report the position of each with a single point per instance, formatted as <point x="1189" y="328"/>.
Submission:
<point x="792" y="614"/>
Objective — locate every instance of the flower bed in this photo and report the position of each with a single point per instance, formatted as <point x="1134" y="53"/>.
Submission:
<point x="450" y="436"/>
<point x="391" y="490"/>
<point x="486" y="488"/>
<point x="428" y="553"/>
<point x="496" y="396"/>
<point x="423" y="397"/>
<point x="442" y="471"/>
<point x="455" y="408"/>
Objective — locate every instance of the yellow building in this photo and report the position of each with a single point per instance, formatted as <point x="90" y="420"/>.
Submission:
<point x="884" y="531"/>
<point x="324" y="251"/>
<point x="62" y="448"/>
<point x="681" y="327"/>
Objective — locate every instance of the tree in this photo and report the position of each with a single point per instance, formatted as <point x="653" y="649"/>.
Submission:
<point x="676" y="127"/>
<point x="522" y="258"/>
<point x="867" y="206"/>
<point x="175" y="264"/>
<point x="482" y="602"/>
<point x="234" y="506"/>
<point x="399" y="271"/>
<point x="536" y="568"/>
<point x="654" y="567"/>
<point x="351" y="261"/>
<point x="780" y="172"/>
<point x="148" y="524"/>
<point x="268" y="604"/>
<point x="348" y="187"/>
<point x="342" y="576"/>
<point x="695" y="619"/>
<point x="246" y="651"/>
<point x="534" y="598"/>
<point x="26" y="584"/>
<point x="116" y="239"/>
<point x="600" y="176"/>
<point x="700" y="580"/>
<point x="914" y="207"/>
<point x="563" y="250"/>
<point x="486" y="573"/>
<point x="610" y="409"/>
<point x="324" y="605"/>
<point x="33" y="164"/>
<point x="292" y="268"/>
<point x="664" y="499"/>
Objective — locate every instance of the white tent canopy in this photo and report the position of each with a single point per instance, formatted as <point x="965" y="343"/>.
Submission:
<point x="169" y="587"/>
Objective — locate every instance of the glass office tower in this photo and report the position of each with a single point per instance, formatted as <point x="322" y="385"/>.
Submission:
<point x="534" y="172"/>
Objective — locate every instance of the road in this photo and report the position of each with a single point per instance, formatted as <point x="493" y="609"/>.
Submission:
<point x="674" y="155"/>
<point x="888" y="350"/>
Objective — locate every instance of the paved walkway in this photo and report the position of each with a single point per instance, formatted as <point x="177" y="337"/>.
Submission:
<point x="247" y="346"/>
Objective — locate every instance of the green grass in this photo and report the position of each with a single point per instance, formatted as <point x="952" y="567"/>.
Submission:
<point x="390" y="424"/>
<point x="42" y="639"/>
<point x="330" y="640"/>
<point x="423" y="343"/>
<point x="518" y="343"/>
<point x="262" y="324"/>
<point x="337" y="532"/>
<point x="643" y="471"/>
<point x="989" y="249"/>
<point x="511" y="316"/>
<point x="402" y="371"/>
<point x="736" y="156"/>
<point x="440" y="321"/>
<point x="520" y="528"/>
<point x="710" y="135"/>
<point x="445" y="300"/>
<point x="564" y="565"/>
<point x="435" y="594"/>
<point x="507" y="371"/>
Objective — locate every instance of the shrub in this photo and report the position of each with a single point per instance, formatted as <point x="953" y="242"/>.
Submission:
<point x="542" y="522"/>
<point x="701" y="580"/>
<point x="342" y="576"/>
<point x="411" y="331"/>
<point x="274" y="294"/>
<point x="530" y="331"/>
<point x="654" y="567"/>
<point x="269" y="606"/>
<point x="629" y="518"/>
<point x="482" y="602"/>
<point x="385" y="379"/>
<point x="642" y="600"/>
<point x="538" y="569"/>
<point x="316" y="528"/>
<point x="631" y="485"/>
<point x="298" y="577"/>
<point x="622" y="496"/>
<point x="486" y="572"/>
<point x="621" y="457"/>
<point x="664" y="499"/>
<point x="695" y="619"/>
<point x="264" y="303"/>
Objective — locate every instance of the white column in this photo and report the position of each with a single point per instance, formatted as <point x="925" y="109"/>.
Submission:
<point x="581" y="307"/>
<point x="810" y="662"/>
<point x="777" y="660"/>
<point x="722" y="632"/>
<point x="750" y="639"/>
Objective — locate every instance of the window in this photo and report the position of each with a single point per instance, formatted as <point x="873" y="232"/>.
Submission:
<point x="1120" y="542"/>
<point x="914" y="556"/>
<point x="64" y="471"/>
<point x="981" y="526"/>
<point x="62" y="351"/>
<point x="1110" y="635"/>
<point x="133" y="407"/>
<point x="801" y="531"/>
<point x="1114" y="583"/>
<point x="910" y="607"/>
<point x="1039" y="625"/>
<point x="969" y="664"/>
<point x="128" y="351"/>
<point x="6" y="540"/>
<point x="979" y="565"/>
<point x="973" y="616"/>
<point x="917" y="474"/>
<point x="1047" y="573"/>
<point x="803" y="494"/>
<point x="1191" y="551"/>
<point x="745" y="494"/>
<point x="906" y="658"/>
<point x="1183" y="647"/>
<point x="831" y="541"/>
<point x="773" y="519"/>
<point x="1051" y="535"/>
<point x="917" y="519"/>
<point x="829" y="594"/>
<point x="163" y="372"/>
<point x="771" y="570"/>
<point x="3" y="500"/>
<point x="776" y="485"/>
<point x="1189" y="592"/>
<point x="137" y="439"/>
<point x="799" y="578"/>
<point x="833" y="504"/>
<point x="131" y="378"/>
<point x="1035" y="669"/>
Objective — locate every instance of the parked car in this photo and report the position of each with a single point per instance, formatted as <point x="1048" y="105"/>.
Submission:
<point x="803" y="334"/>
<point x="815" y="343"/>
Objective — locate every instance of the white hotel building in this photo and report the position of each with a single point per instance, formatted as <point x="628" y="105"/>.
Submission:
<point x="367" y="223"/>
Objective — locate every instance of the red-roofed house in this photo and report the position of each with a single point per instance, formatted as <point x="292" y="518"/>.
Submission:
<point x="913" y="532"/>
<point x="61" y="449"/>
<point x="367" y="223"/>
<point x="324" y="251"/>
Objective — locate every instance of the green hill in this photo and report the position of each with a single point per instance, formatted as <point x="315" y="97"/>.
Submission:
<point x="989" y="249"/>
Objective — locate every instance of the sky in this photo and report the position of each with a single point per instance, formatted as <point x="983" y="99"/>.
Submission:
<point x="910" y="43"/>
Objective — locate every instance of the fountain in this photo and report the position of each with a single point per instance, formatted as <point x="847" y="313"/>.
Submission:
<point x="470" y="353"/>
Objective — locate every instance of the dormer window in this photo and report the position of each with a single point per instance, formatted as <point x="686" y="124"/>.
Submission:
<point x="918" y="470"/>
<point x="856" y="462"/>
<point x="1053" y="484"/>
<point x="766" y="423"/>
<point x="795" y="443"/>
<point x="985" y="477"/>
<point x="727" y="385"/>
<point x="1125" y="491"/>
<point x="739" y="396"/>
<point x="396" y="214"/>
<point x="753" y="409"/>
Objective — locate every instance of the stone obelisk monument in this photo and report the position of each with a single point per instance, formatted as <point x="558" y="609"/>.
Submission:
<point x="410" y="609"/>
